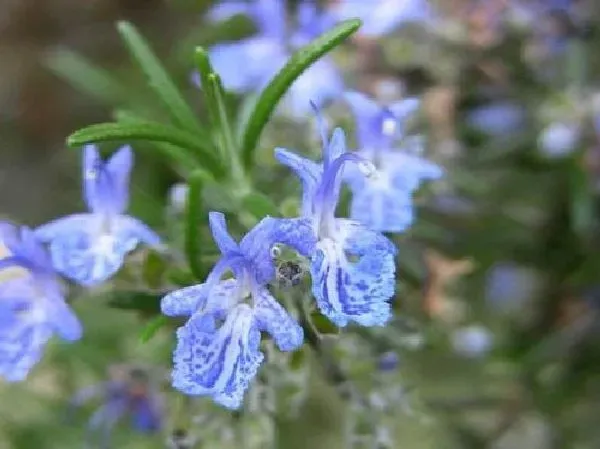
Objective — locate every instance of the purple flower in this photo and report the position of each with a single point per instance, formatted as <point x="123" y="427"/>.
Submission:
<point x="134" y="396"/>
<point x="352" y="267"/>
<point x="382" y="16"/>
<point x="248" y="65"/>
<point x="32" y="303"/>
<point x="90" y="247"/>
<point x="383" y="201"/>
<point x="217" y="351"/>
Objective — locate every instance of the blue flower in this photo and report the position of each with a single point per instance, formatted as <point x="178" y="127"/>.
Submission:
<point x="264" y="54"/>
<point x="352" y="267"/>
<point x="218" y="353"/>
<point x="382" y="16"/>
<point x="32" y="304"/>
<point x="90" y="247"/>
<point x="128" y="394"/>
<point x="383" y="202"/>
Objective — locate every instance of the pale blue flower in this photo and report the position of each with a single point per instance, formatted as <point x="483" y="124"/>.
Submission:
<point x="32" y="303"/>
<point x="352" y="267"/>
<point x="217" y="350"/>
<point x="248" y="65"/>
<point x="383" y="202"/>
<point x="90" y="247"/>
<point x="382" y="16"/>
<point x="472" y="341"/>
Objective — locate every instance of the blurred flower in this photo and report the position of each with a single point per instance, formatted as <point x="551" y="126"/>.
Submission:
<point x="383" y="201"/>
<point x="559" y="139"/>
<point x="472" y="341"/>
<point x="510" y="286"/>
<point x="218" y="351"/>
<point x="388" y="361"/>
<point x="352" y="267"/>
<point x="382" y="16"/>
<point x="90" y="247"/>
<point x="132" y="394"/>
<point x="178" y="197"/>
<point x="499" y="118"/>
<point x="32" y="303"/>
<point x="264" y="54"/>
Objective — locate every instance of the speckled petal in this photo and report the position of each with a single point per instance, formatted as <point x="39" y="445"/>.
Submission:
<point x="272" y="318"/>
<point x="218" y="362"/>
<point x="348" y="290"/>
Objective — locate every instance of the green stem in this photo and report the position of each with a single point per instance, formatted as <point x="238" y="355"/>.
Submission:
<point x="192" y="230"/>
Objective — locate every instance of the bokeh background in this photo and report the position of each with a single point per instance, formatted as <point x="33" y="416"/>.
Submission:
<point x="499" y="299"/>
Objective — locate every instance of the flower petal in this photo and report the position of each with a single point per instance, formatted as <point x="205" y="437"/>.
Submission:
<point x="21" y="347"/>
<point x="309" y="173"/>
<point x="89" y="257"/>
<point x="200" y="298"/>
<point x="65" y="322"/>
<point x="256" y="245"/>
<point x="354" y="291"/>
<point x="119" y="169"/>
<point x="221" y="236"/>
<point x="218" y="362"/>
<point x="127" y="228"/>
<point x="382" y="209"/>
<point x="365" y="111"/>
<point x="272" y="318"/>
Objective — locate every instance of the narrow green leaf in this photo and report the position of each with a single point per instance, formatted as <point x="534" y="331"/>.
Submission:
<point x="279" y="85"/>
<point x="322" y="325"/>
<point x="184" y="144"/>
<point x="194" y="220"/>
<point x="158" y="78"/>
<point x="141" y="301"/>
<point x="152" y="327"/>
<point x="259" y="205"/>
<point x="582" y="202"/>
<point x="214" y="97"/>
<point x="205" y="70"/>
<point x="87" y="77"/>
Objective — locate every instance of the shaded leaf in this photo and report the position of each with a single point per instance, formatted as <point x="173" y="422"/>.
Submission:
<point x="182" y="143"/>
<point x="158" y="78"/>
<point x="260" y="205"/>
<point x="322" y="324"/>
<point x="154" y="269"/>
<point x="142" y="301"/>
<point x="152" y="327"/>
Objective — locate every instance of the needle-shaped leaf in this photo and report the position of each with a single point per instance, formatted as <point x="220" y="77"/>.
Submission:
<point x="158" y="78"/>
<point x="280" y="84"/>
<point x="183" y="144"/>
<point x="87" y="77"/>
<point x="194" y="219"/>
<point x="152" y="328"/>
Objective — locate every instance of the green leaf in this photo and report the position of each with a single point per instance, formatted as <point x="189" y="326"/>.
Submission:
<point x="152" y="327"/>
<point x="183" y="143"/>
<point x="279" y="85"/>
<point x="214" y="97"/>
<point x="582" y="202"/>
<point x="87" y="77"/>
<point x="298" y="359"/>
<point x="194" y="220"/>
<point x="153" y="270"/>
<point x="141" y="301"/>
<point x="158" y="78"/>
<point x="260" y="205"/>
<point x="322" y="324"/>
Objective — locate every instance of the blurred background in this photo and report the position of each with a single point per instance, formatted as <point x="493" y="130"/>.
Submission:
<point x="497" y="339"/>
